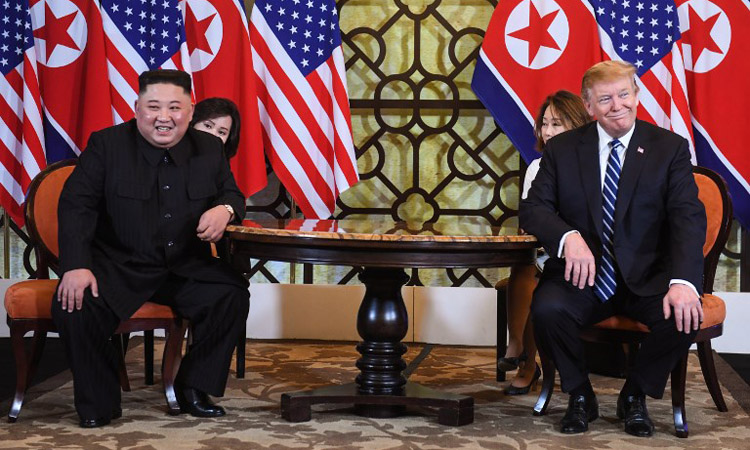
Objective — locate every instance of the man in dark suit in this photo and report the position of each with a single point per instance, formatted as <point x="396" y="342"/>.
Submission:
<point x="616" y="205"/>
<point x="136" y="220"/>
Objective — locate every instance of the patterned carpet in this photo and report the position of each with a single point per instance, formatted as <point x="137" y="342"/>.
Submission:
<point x="48" y="419"/>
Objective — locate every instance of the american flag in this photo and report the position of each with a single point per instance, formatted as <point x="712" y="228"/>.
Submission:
<point x="303" y="100"/>
<point x="22" y="153"/>
<point x="646" y="33"/>
<point x="140" y="35"/>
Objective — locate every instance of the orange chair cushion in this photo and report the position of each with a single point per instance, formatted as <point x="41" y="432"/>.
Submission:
<point x="714" y="313"/>
<point x="32" y="299"/>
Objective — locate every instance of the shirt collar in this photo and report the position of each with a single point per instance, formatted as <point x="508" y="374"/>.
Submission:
<point x="179" y="153"/>
<point x="605" y="139"/>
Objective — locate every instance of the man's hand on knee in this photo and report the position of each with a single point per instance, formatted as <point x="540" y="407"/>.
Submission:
<point x="580" y="266"/>
<point x="72" y="286"/>
<point x="688" y="311"/>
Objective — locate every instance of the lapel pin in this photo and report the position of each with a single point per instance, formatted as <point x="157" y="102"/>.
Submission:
<point x="640" y="149"/>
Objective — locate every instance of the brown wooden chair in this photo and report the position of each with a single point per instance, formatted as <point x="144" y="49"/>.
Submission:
<point x="712" y="191"/>
<point x="28" y="303"/>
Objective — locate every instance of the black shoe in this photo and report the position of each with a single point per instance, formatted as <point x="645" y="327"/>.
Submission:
<point x="632" y="408"/>
<point x="197" y="403"/>
<point x="581" y="411"/>
<point x="100" y="422"/>
<point x="509" y="364"/>
<point x="515" y="390"/>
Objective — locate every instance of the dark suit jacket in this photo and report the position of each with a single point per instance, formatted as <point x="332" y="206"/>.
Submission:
<point x="132" y="220"/>
<point x="660" y="225"/>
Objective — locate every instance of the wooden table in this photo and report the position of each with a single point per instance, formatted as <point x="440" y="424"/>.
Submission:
<point x="384" y="249"/>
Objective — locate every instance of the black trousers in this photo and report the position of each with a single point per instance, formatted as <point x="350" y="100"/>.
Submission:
<point x="217" y="314"/>
<point x="559" y="310"/>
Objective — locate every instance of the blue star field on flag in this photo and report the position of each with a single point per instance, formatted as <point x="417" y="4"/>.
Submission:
<point x="153" y="27"/>
<point x="642" y="31"/>
<point x="16" y="36"/>
<point x="308" y="30"/>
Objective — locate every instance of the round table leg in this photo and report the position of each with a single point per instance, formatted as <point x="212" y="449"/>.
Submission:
<point x="382" y="322"/>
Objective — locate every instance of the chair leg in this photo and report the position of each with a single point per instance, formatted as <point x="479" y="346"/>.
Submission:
<point x="148" y="356"/>
<point x="171" y="363"/>
<point x="679" y="374"/>
<point x="548" y="384"/>
<point x="502" y="331"/>
<point x="706" y="357"/>
<point x="119" y="346"/>
<point x="37" y="347"/>
<point x="23" y="374"/>
<point x="241" y="354"/>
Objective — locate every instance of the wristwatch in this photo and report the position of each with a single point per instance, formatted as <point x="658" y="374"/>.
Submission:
<point x="231" y="211"/>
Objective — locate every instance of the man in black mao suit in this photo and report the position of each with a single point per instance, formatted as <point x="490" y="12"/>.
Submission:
<point x="643" y="260"/>
<point x="136" y="220"/>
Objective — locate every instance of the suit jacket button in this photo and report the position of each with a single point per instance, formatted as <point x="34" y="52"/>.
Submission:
<point x="170" y="243"/>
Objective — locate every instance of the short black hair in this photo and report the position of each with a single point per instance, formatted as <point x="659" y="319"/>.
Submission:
<point x="164" y="76"/>
<point x="214" y="107"/>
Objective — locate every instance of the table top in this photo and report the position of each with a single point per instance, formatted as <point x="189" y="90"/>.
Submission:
<point x="447" y="243"/>
<point x="444" y="230"/>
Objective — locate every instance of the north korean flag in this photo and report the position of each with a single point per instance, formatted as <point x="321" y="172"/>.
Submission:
<point x="716" y="46"/>
<point x="530" y="50"/>
<point x="69" y="43"/>
<point x="222" y="66"/>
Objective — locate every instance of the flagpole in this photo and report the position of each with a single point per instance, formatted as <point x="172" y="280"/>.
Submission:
<point x="6" y="244"/>
<point x="293" y="266"/>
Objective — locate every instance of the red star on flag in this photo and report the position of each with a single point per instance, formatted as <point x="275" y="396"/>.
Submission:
<point x="699" y="34"/>
<point x="537" y="34"/>
<point x="55" y="31"/>
<point x="196" y="31"/>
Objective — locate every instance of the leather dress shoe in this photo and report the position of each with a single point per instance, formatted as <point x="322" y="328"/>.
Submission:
<point x="581" y="411"/>
<point x="632" y="408"/>
<point x="515" y="390"/>
<point x="197" y="403"/>
<point x="101" y="421"/>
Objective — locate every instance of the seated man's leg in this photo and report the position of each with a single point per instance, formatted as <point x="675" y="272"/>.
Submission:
<point x="93" y="360"/>
<point x="661" y="349"/>
<point x="559" y="310"/>
<point x="217" y="314"/>
<point x="657" y="356"/>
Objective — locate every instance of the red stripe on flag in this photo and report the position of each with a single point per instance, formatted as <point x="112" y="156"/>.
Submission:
<point x="121" y="64"/>
<point x="16" y="82"/>
<point x="660" y="94"/>
<point x="291" y="92"/>
<point x="14" y="167"/>
<point x="15" y="211"/>
<point x="292" y="141"/>
<point x="123" y="109"/>
<point x="324" y="98"/>
<point x="33" y="139"/>
<point x="286" y="177"/>
<point x="347" y="165"/>
<point x="12" y="121"/>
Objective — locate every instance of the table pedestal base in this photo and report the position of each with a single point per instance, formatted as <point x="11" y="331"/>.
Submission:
<point x="453" y="409"/>
<point x="381" y="389"/>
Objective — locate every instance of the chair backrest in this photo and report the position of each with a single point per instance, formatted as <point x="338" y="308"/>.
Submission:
<point x="713" y="193"/>
<point x="41" y="213"/>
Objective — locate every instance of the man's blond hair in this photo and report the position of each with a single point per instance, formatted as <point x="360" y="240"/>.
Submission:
<point x="607" y="71"/>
